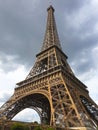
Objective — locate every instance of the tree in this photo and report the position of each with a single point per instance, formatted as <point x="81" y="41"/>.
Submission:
<point x="37" y="128"/>
<point x="50" y="128"/>
<point x="26" y="128"/>
<point x="18" y="126"/>
<point x="35" y="122"/>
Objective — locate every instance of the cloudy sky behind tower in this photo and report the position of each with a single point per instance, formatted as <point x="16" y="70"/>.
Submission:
<point x="22" y="29"/>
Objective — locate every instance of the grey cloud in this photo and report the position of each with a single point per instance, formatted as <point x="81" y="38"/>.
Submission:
<point x="82" y="67"/>
<point x="5" y="97"/>
<point x="8" y="62"/>
<point x="18" y="34"/>
<point x="69" y="6"/>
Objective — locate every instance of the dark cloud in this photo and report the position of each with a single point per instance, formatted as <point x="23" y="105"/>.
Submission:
<point x="22" y="28"/>
<point x="18" y="33"/>
<point x="69" y="7"/>
<point x="81" y="65"/>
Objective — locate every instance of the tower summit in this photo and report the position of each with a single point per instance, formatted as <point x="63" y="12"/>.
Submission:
<point x="52" y="90"/>
<point x="51" y="35"/>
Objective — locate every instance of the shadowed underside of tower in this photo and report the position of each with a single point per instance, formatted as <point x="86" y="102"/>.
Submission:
<point x="52" y="89"/>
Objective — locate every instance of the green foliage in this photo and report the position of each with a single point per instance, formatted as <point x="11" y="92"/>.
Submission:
<point x="37" y="128"/>
<point x="35" y="122"/>
<point x="18" y="126"/>
<point x="50" y="129"/>
<point x="26" y="128"/>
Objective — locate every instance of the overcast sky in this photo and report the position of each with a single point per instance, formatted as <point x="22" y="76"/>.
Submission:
<point x="22" y="29"/>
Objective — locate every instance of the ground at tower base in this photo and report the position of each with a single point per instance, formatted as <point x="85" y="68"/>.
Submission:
<point x="7" y="125"/>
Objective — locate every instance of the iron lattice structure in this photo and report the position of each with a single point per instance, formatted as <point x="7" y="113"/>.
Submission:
<point x="52" y="89"/>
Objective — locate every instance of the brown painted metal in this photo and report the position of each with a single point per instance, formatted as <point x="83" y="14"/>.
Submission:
<point x="52" y="89"/>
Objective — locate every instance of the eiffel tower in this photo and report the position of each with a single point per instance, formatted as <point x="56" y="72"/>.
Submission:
<point x="52" y="89"/>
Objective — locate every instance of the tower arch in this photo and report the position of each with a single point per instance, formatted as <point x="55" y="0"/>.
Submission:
<point x="37" y="100"/>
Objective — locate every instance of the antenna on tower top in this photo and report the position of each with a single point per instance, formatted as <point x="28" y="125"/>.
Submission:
<point x="50" y="2"/>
